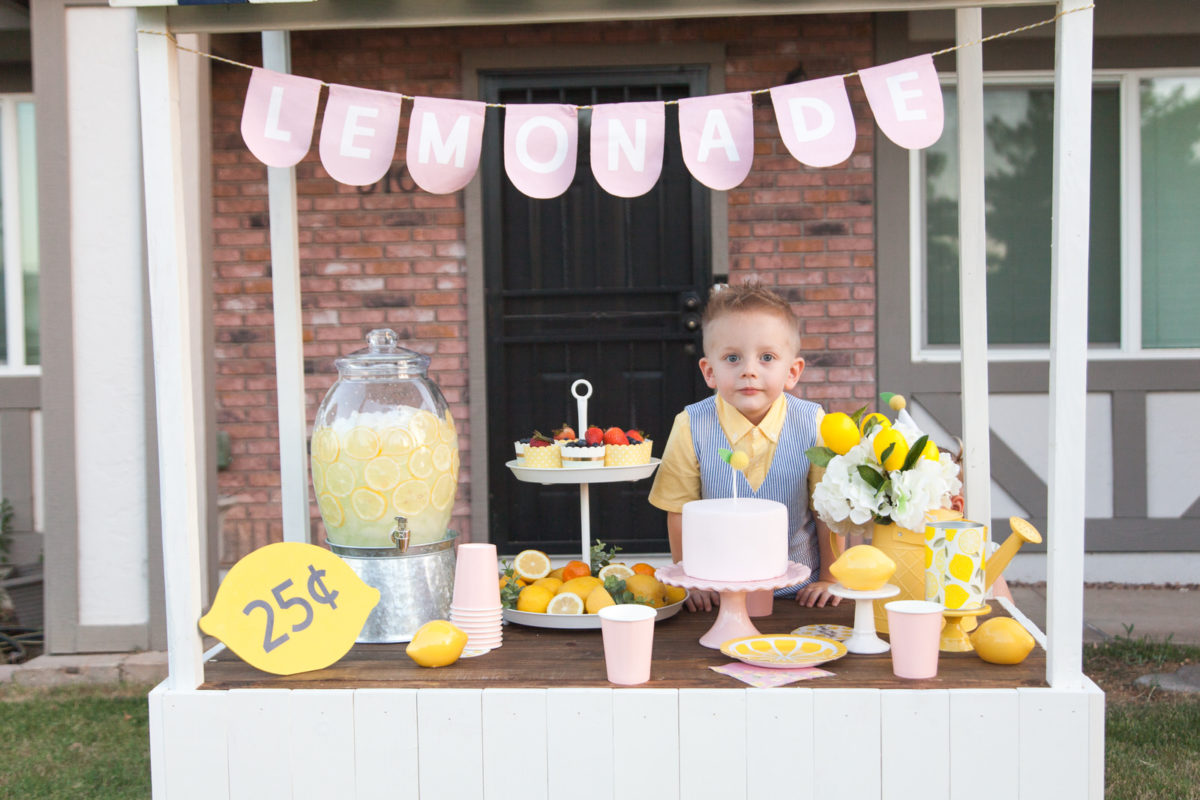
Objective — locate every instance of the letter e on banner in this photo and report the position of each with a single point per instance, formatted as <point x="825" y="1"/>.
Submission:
<point x="627" y="147"/>
<point x="444" y="140"/>
<point x="278" y="117"/>
<point x="717" y="134"/>
<point x="540" y="146"/>
<point x="815" y="121"/>
<point x="358" y="134"/>
<point x="906" y="99"/>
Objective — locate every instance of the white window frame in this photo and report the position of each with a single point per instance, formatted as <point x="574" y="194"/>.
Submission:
<point x="10" y="258"/>
<point x="1130" y="346"/>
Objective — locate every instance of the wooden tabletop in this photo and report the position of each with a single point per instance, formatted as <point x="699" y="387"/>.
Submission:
<point x="542" y="658"/>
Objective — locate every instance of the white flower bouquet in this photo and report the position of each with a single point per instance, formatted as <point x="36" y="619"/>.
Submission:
<point x="879" y="471"/>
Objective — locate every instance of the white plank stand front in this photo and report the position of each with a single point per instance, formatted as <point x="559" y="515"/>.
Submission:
<point x="732" y="743"/>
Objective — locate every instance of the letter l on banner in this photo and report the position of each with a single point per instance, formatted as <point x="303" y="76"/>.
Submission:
<point x="278" y="117"/>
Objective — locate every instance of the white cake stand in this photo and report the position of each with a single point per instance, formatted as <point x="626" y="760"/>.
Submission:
<point x="733" y="622"/>
<point x="863" y="639"/>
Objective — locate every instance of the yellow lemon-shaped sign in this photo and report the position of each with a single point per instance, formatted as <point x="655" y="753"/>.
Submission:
<point x="290" y="607"/>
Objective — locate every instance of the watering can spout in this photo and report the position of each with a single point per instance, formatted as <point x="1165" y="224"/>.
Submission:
<point x="1022" y="532"/>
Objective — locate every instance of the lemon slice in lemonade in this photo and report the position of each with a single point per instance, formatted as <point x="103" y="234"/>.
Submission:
<point x="411" y="497"/>
<point x="446" y="430"/>
<point x="368" y="504"/>
<point x="331" y="511"/>
<point x="396" y="442"/>
<point x="424" y="428"/>
<point x="420" y="463"/>
<point x="318" y="476"/>
<point x="339" y="479"/>
<point x="324" y="445"/>
<point x="362" y="443"/>
<point x="441" y="457"/>
<point x="382" y="473"/>
<point x="443" y="493"/>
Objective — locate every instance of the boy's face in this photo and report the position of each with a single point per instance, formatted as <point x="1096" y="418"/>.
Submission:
<point x="750" y="359"/>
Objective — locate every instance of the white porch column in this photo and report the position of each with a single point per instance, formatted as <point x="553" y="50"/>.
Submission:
<point x="289" y="341"/>
<point x="1068" y="345"/>
<point x="972" y="270"/>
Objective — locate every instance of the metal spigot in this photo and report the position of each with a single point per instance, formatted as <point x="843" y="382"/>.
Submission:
<point x="400" y="534"/>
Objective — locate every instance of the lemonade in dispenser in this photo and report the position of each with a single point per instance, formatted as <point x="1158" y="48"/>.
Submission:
<point x="384" y="446"/>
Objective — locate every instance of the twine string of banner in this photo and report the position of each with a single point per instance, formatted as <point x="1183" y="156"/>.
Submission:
<point x="941" y="52"/>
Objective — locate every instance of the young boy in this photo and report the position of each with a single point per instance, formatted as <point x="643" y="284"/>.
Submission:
<point x="751" y="357"/>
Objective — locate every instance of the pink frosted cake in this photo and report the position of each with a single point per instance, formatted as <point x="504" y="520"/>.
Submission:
<point x="740" y="539"/>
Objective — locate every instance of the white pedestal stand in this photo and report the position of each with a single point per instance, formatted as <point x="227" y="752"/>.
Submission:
<point x="863" y="639"/>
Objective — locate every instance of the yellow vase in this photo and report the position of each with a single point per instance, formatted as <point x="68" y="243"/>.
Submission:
<point x="907" y="549"/>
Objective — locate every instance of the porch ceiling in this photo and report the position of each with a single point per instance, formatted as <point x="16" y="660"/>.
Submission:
<point x="333" y="14"/>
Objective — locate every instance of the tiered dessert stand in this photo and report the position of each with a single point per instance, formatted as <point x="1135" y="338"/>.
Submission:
<point x="863" y="639"/>
<point x="733" y="621"/>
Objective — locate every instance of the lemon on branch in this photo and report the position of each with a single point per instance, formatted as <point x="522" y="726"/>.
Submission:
<point x="839" y="433"/>
<point x="898" y="451"/>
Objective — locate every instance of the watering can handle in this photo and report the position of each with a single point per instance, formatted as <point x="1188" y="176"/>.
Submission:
<point x="834" y="547"/>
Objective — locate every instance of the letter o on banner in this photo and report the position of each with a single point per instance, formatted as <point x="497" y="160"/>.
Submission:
<point x="278" y="117"/>
<point x="717" y="134"/>
<point x="906" y="98"/>
<point x="358" y="134"/>
<point x="627" y="147"/>
<point x="541" y="143"/>
<point x="815" y="121"/>
<point x="444" y="140"/>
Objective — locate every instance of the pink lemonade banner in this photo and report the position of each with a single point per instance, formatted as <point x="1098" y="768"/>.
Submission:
<point x="541" y="141"/>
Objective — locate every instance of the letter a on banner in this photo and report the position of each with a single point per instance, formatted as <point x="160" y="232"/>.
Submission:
<point x="627" y="147"/>
<point x="540" y="146"/>
<point x="717" y="134"/>
<point x="444" y="140"/>
<point x="906" y="99"/>
<point x="815" y="121"/>
<point x="278" y="117"/>
<point x="358" y="134"/>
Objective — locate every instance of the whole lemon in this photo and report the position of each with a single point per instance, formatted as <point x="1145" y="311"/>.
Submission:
<point x="930" y="451"/>
<point x="863" y="568"/>
<point x="598" y="598"/>
<point x="675" y="594"/>
<point x="1002" y="640"/>
<point x="437" y="643"/>
<point x="550" y="583"/>
<point x="880" y="421"/>
<point x="581" y="586"/>
<point x="839" y="433"/>
<point x="647" y="590"/>
<point x="534" y="599"/>
<point x="895" y="459"/>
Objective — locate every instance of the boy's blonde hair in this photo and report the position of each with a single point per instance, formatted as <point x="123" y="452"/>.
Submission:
<point x="749" y="298"/>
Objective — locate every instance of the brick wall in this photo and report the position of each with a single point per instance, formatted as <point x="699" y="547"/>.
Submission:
<point x="390" y="255"/>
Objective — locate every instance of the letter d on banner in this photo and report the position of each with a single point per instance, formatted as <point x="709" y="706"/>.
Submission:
<point x="444" y="140"/>
<point x="540" y="146"/>
<point x="278" y="117"/>
<point x="815" y="121"/>
<point x="358" y="134"/>
<point x="906" y="99"/>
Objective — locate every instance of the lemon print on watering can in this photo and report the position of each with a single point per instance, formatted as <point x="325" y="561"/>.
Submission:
<point x="290" y="607"/>
<point x="954" y="563"/>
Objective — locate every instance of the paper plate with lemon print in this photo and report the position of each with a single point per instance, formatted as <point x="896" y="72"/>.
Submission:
<point x="784" y="652"/>
<point x="576" y="621"/>
<point x="632" y="472"/>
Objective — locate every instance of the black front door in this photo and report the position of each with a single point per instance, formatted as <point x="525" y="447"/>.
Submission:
<point x="592" y="286"/>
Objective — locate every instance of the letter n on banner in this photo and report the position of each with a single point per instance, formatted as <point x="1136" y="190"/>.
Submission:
<point x="540" y="146"/>
<point x="906" y="99"/>
<point x="815" y="121"/>
<point x="278" y="117"/>
<point x="358" y="134"/>
<point x="444" y="140"/>
<point x="717" y="134"/>
<point x="627" y="147"/>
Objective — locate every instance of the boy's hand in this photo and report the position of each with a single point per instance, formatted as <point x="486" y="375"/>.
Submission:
<point x="817" y="594"/>
<point x="702" y="600"/>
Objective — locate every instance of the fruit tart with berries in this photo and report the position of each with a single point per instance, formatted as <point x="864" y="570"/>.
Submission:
<point x="623" y="448"/>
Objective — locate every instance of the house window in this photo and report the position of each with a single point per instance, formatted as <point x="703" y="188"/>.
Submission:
<point x="1144" y="259"/>
<point x="19" y="318"/>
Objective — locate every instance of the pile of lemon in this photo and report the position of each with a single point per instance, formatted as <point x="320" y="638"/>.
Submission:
<point x="565" y="591"/>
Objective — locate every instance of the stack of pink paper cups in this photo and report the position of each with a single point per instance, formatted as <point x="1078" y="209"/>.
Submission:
<point x="475" y="607"/>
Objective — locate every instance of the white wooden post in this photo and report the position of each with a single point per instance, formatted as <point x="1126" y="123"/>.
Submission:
<point x="289" y="339"/>
<point x="176" y="332"/>
<point x="1068" y="345"/>
<point x="972" y="269"/>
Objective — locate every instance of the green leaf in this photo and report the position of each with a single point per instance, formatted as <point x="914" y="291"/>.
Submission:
<point x="820" y="456"/>
<point x="886" y="488"/>
<point x="871" y="426"/>
<point x="887" y="451"/>
<point x="614" y="586"/>
<point x="886" y="397"/>
<point x="873" y="478"/>
<point x="725" y="454"/>
<point x="858" y="415"/>
<point x="601" y="555"/>
<point x="913" y="454"/>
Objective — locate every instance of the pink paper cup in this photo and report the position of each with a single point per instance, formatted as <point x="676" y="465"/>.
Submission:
<point x="915" y="628"/>
<point x="476" y="577"/>
<point x="761" y="603"/>
<point x="628" y="634"/>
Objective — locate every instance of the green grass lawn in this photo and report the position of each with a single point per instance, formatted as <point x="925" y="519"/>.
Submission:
<point x="93" y="741"/>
